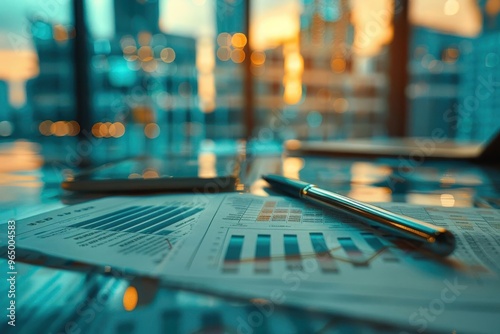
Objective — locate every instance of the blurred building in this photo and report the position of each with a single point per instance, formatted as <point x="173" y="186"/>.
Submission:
<point x="453" y="83"/>
<point x="156" y="91"/>
<point x="133" y="17"/>
<point x="477" y="112"/>
<point x="143" y="84"/>
<point x="435" y="73"/>
<point x="317" y="86"/>
<point x="225" y="120"/>
<point x="52" y="90"/>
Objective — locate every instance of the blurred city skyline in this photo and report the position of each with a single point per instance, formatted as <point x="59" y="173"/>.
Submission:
<point x="197" y="17"/>
<point x="172" y="68"/>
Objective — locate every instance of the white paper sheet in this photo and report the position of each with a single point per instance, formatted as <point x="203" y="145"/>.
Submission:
<point x="133" y="233"/>
<point x="274" y="248"/>
<point x="264" y="238"/>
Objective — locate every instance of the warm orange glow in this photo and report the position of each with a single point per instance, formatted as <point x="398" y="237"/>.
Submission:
<point x="292" y="167"/>
<point x="60" y="33"/>
<point x="108" y="129"/>
<point x="112" y="130"/>
<point x="258" y="58"/>
<point x="59" y="128"/>
<point x="238" y="56"/>
<point x="150" y="66"/>
<point x="458" y="198"/>
<point x="96" y="130"/>
<point x="144" y="38"/>
<point x="338" y="65"/>
<point x="274" y="23"/>
<point x="224" y="53"/>
<point x="224" y="39"/>
<point x="17" y="92"/>
<point x="104" y="129"/>
<point x="451" y="7"/>
<point x="206" y="86"/>
<point x="205" y="63"/>
<point x="145" y="53"/>
<point x="167" y="55"/>
<point x="74" y="128"/>
<point x="129" y="49"/>
<point x="372" y="21"/>
<point x="239" y="40"/>
<point x="492" y="7"/>
<point x="293" y="92"/>
<point x="143" y="114"/>
<point x="368" y="173"/>
<point x="294" y="67"/>
<point x="44" y="128"/>
<point x="207" y="162"/>
<point x="293" y="144"/>
<point x="370" y="194"/>
<point x="208" y="106"/>
<point x="152" y="130"/>
<point x="118" y="130"/>
<point x="340" y="105"/>
<point x="205" y="58"/>
<point x="294" y="63"/>
<point x="150" y="174"/>
<point x="17" y="66"/>
<point x="130" y="298"/>
<point x="461" y="17"/>
<point x="447" y="200"/>
<point x="451" y="55"/>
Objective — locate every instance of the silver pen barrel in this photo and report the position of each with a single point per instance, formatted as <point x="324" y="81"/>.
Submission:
<point x="434" y="238"/>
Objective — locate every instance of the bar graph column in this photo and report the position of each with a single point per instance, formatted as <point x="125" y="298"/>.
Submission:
<point x="263" y="253"/>
<point x="292" y="252"/>
<point x="353" y="252"/>
<point x="323" y="255"/>
<point x="233" y="254"/>
<point x="378" y="246"/>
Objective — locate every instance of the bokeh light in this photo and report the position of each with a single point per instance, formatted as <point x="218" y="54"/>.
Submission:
<point x="224" y="39"/>
<point x="167" y="55"/>
<point x="238" y="56"/>
<point x="239" y="40"/>
<point x="6" y="128"/>
<point x="152" y="130"/>
<point x="258" y="58"/>
<point x="340" y="105"/>
<point x="130" y="298"/>
<point x="224" y="53"/>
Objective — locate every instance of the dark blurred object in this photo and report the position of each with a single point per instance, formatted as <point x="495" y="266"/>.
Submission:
<point x="204" y="173"/>
<point x="412" y="148"/>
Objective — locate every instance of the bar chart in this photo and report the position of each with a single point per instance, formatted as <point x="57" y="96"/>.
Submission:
<point x="260" y="252"/>
<point x="286" y="244"/>
<point x="157" y="220"/>
<point x="258" y="237"/>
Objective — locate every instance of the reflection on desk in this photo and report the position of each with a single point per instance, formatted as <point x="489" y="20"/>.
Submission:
<point x="61" y="301"/>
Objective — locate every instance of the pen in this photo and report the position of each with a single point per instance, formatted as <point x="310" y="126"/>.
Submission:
<point x="433" y="238"/>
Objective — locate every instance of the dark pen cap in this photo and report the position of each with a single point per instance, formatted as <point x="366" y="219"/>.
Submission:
<point x="288" y="186"/>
